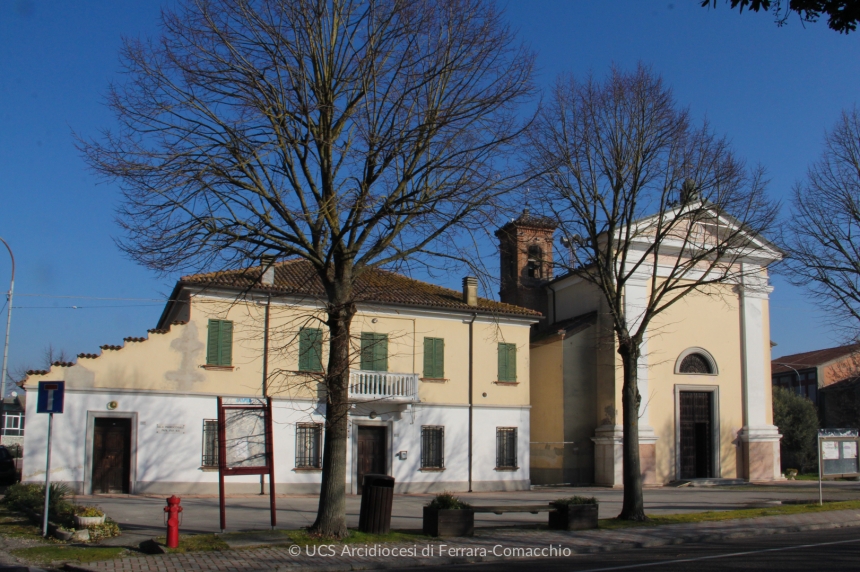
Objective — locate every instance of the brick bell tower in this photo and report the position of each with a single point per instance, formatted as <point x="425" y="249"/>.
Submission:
<point x="525" y="245"/>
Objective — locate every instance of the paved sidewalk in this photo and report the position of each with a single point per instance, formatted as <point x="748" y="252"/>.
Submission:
<point x="487" y="545"/>
<point x="143" y="515"/>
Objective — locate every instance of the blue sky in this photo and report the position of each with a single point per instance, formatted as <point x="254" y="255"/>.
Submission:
<point x="772" y="90"/>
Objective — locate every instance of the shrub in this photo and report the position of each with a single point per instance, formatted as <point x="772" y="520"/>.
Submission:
<point x="797" y="420"/>
<point x="107" y="530"/>
<point x="574" y="500"/>
<point x="88" y="511"/>
<point x="23" y="497"/>
<point x="447" y="501"/>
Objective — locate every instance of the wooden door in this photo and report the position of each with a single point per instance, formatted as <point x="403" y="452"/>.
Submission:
<point x="697" y="450"/>
<point x="111" y="455"/>
<point x="371" y="453"/>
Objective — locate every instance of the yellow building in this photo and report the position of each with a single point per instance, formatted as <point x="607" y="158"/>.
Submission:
<point x="704" y="375"/>
<point x="439" y="388"/>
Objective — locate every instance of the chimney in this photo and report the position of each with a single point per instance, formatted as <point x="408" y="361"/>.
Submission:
<point x="470" y="290"/>
<point x="267" y="261"/>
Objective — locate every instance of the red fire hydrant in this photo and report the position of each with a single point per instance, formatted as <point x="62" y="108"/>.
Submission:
<point x="173" y="511"/>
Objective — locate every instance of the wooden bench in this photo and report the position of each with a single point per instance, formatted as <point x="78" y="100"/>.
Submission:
<point x="501" y="509"/>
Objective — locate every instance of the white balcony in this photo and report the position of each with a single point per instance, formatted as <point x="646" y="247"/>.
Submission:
<point x="367" y="385"/>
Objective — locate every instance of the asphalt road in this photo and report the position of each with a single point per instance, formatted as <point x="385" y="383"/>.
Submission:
<point x="803" y="551"/>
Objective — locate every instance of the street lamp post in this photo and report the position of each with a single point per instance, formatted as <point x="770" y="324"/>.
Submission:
<point x="6" y="344"/>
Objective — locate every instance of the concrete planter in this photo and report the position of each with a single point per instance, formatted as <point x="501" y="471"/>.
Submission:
<point x="63" y="534"/>
<point x="85" y="521"/>
<point x="573" y="517"/>
<point x="445" y="522"/>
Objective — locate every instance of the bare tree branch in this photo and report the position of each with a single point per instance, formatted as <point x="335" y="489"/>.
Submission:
<point x="642" y="194"/>
<point x="351" y="133"/>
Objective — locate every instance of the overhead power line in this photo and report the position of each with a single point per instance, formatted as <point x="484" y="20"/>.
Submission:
<point x="96" y="298"/>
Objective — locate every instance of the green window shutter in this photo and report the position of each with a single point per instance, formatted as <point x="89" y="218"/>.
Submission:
<point x="507" y="362"/>
<point x="310" y="349"/>
<point x="225" y="343"/>
<point x="439" y="358"/>
<point x="503" y="362"/>
<point x="316" y="350"/>
<point x="380" y="352"/>
<point x="429" y="362"/>
<point x="434" y="358"/>
<point x="512" y="362"/>
<point x="374" y="351"/>
<point x="366" y="351"/>
<point x="304" y="350"/>
<point x="214" y="330"/>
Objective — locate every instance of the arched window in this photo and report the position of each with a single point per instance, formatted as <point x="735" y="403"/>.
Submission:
<point x="696" y="361"/>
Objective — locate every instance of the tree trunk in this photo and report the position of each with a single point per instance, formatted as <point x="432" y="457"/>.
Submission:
<point x="331" y="515"/>
<point x="634" y="503"/>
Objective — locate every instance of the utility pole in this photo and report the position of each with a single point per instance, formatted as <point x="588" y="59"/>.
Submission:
<point x="6" y="344"/>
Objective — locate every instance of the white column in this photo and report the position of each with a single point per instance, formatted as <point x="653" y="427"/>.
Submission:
<point x="635" y="304"/>
<point x="761" y="439"/>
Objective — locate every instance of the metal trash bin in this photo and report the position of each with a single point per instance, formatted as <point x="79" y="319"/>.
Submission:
<point x="377" y="494"/>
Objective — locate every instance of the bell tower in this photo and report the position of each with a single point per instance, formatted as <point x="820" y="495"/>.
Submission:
<point x="525" y="245"/>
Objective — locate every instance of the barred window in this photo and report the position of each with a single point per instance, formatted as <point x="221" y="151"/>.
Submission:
<point x="432" y="447"/>
<point x="506" y="447"/>
<point x="210" y="443"/>
<point x="695" y="363"/>
<point x="308" y="445"/>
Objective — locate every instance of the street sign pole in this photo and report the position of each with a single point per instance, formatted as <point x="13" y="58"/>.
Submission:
<point x="47" y="478"/>
<point x="49" y="399"/>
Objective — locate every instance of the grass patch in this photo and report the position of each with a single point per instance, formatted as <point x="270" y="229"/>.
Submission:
<point x="60" y="553"/>
<point x="712" y="516"/>
<point x="303" y="538"/>
<point x="194" y="543"/>
<point x="17" y="525"/>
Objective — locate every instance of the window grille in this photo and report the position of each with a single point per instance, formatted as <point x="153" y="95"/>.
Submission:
<point x="210" y="443"/>
<point x="432" y="447"/>
<point x="506" y="447"/>
<point x="308" y="449"/>
<point x="695" y="363"/>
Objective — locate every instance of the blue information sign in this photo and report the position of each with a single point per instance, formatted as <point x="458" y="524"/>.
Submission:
<point x="50" y="398"/>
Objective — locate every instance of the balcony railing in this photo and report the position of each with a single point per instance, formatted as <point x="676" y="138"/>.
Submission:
<point x="382" y="386"/>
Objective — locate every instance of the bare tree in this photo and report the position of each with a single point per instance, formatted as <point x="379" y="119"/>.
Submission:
<point x="633" y="182"/>
<point x="50" y="356"/>
<point x="823" y="233"/>
<point x="351" y="133"/>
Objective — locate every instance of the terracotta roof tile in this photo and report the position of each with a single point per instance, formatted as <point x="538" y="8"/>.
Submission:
<point x="298" y="277"/>
<point x="814" y="358"/>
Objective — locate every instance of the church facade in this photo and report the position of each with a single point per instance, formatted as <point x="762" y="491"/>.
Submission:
<point x="704" y="375"/>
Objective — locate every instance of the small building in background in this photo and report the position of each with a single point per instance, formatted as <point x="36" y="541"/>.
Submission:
<point x="808" y="373"/>
<point x="12" y="430"/>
